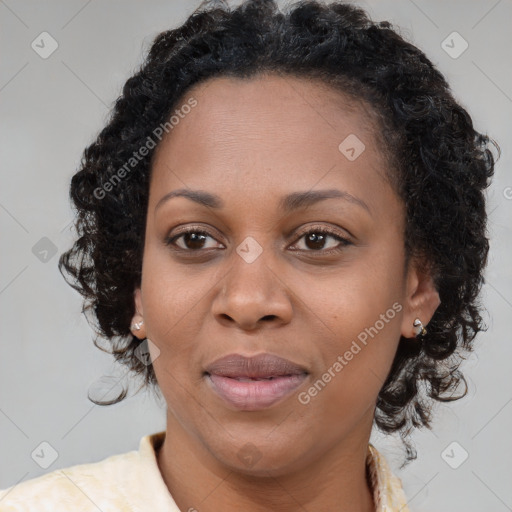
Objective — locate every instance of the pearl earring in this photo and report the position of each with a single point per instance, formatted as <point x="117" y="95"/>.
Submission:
<point x="137" y="325"/>
<point x="419" y="329"/>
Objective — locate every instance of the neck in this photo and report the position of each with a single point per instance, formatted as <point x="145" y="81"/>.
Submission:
<point x="197" y="481"/>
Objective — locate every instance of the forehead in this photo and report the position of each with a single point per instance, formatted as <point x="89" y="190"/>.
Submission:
<point x="271" y="131"/>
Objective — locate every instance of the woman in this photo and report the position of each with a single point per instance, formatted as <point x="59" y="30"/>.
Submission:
<point x="283" y="227"/>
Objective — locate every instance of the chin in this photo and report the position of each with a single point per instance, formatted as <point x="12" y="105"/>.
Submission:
<point x="254" y="459"/>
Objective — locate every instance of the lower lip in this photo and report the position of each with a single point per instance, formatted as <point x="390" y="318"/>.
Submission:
<point x="255" y="395"/>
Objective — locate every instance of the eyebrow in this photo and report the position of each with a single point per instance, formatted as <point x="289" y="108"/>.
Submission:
<point x="287" y="204"/>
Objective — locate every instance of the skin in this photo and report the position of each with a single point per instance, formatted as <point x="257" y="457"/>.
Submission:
<point x="251" y="142"/>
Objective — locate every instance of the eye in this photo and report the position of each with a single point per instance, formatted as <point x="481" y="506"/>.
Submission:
<point x="322" y="240"/>
<point x="319" y="239"/>
<point x="191" y="239"/>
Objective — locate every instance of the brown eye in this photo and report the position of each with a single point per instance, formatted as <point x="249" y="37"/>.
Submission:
<point x="316" y="241"/>
<point x="322" y="240"/>
<point x="191" y="240"/>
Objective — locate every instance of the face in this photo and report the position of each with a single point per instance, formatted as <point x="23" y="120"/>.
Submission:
<point x="292" y="246"/>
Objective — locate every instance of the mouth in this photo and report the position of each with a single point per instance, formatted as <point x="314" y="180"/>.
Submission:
<point x="254" y="383"/>
<point x="252" y="379"/>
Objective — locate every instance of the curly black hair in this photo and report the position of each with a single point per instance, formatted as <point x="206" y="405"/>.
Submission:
<point x="439" y="167"/>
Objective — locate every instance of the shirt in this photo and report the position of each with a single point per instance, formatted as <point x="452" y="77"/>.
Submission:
<point x="132" y="482"/>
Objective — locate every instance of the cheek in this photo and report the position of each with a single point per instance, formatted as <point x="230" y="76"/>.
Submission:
<point x="358" y="315"/>
<point x="344" y="303"/>
<point x="174" y="295"/>
<point x="353" y="365"/>
<point x="172" y="304"/>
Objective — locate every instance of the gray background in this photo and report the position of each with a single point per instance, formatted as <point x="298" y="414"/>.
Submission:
<point x="52" y="108"/>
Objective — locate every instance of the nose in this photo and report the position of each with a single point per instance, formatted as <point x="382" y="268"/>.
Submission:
<point x="253" y="295"/>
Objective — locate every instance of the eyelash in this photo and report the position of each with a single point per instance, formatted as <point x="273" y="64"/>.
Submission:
<point x="169" y="241"/>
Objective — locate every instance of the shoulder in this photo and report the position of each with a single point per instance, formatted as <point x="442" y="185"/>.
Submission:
<point x="84" y="487"/>
<point x="388" y="492"/>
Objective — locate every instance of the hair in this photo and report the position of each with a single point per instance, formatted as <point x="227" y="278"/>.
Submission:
<point x="438" y="165"/>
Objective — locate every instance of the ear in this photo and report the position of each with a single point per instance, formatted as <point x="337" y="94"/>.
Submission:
<point x="421" y="297"/>
<point x="138" y="317"/>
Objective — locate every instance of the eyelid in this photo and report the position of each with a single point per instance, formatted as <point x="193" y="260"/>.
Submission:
<point x="322" y="228"/>
<point x="183" y="230"/>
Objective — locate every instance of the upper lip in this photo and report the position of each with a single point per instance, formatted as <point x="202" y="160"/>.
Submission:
<point x="261" y="365"/>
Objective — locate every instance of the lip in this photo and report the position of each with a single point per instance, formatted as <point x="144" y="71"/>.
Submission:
<point x="254" y="383"/>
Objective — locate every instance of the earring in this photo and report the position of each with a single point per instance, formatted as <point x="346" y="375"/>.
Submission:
<point x="137" y="325"/>
<point x="419" y="329"/>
